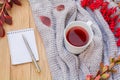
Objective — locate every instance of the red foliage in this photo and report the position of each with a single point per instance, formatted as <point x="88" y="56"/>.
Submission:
<point x="45" y="20"/>
<point x="60" y="7"/>
<point x="108" y="14"/>
<point x="4" y="16"/>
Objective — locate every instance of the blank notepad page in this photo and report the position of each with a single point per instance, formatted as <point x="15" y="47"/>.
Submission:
<point x="18" y="51"/>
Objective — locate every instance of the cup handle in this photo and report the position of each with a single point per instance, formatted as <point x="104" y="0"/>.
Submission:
<point x="89" y="23"/>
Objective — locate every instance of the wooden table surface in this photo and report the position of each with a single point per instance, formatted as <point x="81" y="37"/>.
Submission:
<point x="22" y="18"/>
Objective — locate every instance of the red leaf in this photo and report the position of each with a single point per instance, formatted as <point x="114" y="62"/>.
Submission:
<point x="95" y="5"/>
<point x="17" y="2"/>
<point x="8" y="19"/>
<point x="45" y="20"/>
<point x="2" y="18"/>
<point x="10" y="3"/>
<point x="118" y="42"/>
<point x="2" y="31"/>
<point x="105" y="4"/>
<point x="117" y="34"/>
<point x="98" y="77"/>
<point x="84" y="3"/>
<point x="60" y="7"/>
<point x="7" y="6"/>
<point x="1" y="23"/>
<point x="89" y="77"/>
<point x="118" y="20"/>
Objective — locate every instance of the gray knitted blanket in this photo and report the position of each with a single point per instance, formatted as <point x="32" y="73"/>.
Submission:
<point x="51" y="18"/>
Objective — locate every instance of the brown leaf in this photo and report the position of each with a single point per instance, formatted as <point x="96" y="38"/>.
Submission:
<point x="105" y="68"/>
<point x="45" y="20"/>
<point x="8" y="19"/>
<point x="111" y="65"/>
<point x="2" y="31"/>
<point x="1" y="23"/>
<point x="17" y="2"/>
<point x="113" y="71"/>
<point x="60" y="7"/>
<point x="10" y="3"/>
<point x="2" y="18"/>
<point x="101" y="66"/>
<point x="7" y="6"/>
<point x="112" y="60"/>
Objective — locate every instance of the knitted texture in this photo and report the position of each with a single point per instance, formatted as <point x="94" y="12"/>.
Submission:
<point x="63" y="64"/>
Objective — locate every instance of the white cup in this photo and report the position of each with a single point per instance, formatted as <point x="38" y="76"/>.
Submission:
<point x="85" y="25"/>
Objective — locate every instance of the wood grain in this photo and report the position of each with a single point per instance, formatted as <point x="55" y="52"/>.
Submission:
<point x="4" y="60"/>
<point x="22" y="18"/>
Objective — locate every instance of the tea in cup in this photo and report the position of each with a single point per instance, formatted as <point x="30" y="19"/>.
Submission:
<point x="77" y="36"/>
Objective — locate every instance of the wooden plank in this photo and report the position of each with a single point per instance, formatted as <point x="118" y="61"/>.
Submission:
<point x="20" y="16"/>
<point x="4" y="60"/>
<point x="45" y="72"/>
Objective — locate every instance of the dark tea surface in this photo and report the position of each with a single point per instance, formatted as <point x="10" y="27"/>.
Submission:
<point x="77" y="36"/>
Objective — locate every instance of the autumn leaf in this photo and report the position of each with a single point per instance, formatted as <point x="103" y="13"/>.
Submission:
<point x="105" y="68"/>
<point x="6" y="5"/>
<point x="2" y="31"/>
<point x="98" y="77"/>
<point x="89" y="77"/>
<point x="105" y="76"/>
<point x="60" y="7"/>
<point x="45" y="20"/>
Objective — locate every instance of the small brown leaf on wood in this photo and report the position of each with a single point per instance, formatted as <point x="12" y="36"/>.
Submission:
<point x="7" y="6"/>
<point x="8" y="19"/>
<point x="17" y="2"/>
<point x="2" y="31"/>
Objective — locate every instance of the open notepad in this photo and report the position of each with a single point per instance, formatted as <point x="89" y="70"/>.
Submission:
<point x="18" y="51"/>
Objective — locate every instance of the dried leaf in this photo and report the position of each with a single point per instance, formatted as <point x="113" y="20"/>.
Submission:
<point x="17" y="2"/>
<point x="60" y="7"/>
<point x="1" y="5"/>
<point x="118" y="62"/>
<point x="1" y="23"/>
<point x="105" y="76"/>
<point x="10" y="3"/>
<point x="98" y="77"/>
<point x="8" y="20"/>
<point x="7" y="6"/>
<point x="98" y="72"/>
<point x="89" y="77"/>
<point x="45" y="20"/>
<point x="111" y="65"/>
<point x="105" y="68"/>
<point x="113" y="71"/>
<point x="112" y="60"/>
<point x="101" y="66"/>
<point x="2" y="18"/>
<point x="2" y="31"/>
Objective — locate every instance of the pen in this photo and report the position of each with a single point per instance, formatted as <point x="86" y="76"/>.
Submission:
<point x="31" y="54"/>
